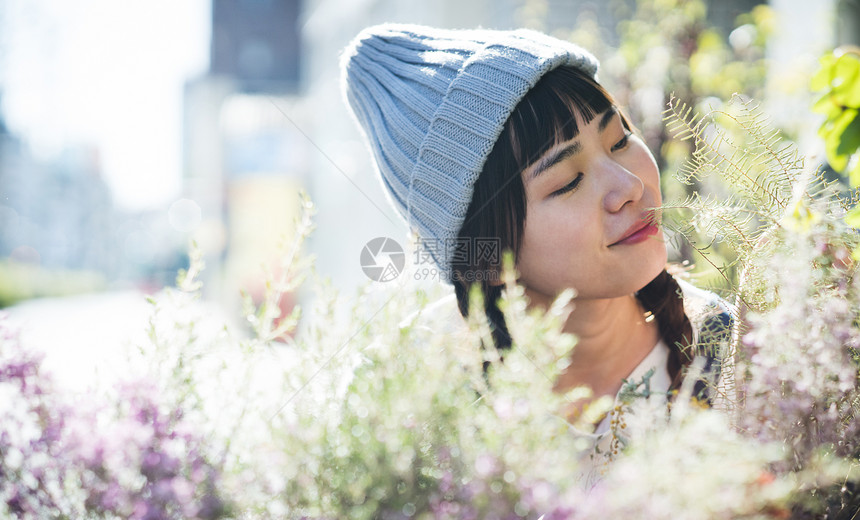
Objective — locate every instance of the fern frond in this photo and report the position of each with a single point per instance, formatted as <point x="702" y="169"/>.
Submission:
<point x="731" y="221"/>
<point x="779" y="160"/>
<point x="723" y="233"/>
<point x="760" y="168"/>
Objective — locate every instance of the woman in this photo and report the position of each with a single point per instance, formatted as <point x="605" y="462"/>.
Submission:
<point x="507" y="136"/>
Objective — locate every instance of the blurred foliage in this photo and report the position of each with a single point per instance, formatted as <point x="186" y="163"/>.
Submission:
<point x="20" y="281"/>
<point x="772" y="188"/>
<point x="389" y="407"/>
<point x="670" y="49"/>
<point x="838" y="79"/>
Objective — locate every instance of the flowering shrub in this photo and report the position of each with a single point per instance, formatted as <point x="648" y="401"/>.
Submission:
<point x="401" y="423"/>
<point x="370" y="412"/>
<point x="796" y="361"/>
<point x="60" y="459"/>
<point x="814" y="327"/>
<point x="32" y="472"/>
<point x="145" y="463"/>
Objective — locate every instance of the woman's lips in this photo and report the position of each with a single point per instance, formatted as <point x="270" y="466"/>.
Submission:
<point x="638" y="233"/>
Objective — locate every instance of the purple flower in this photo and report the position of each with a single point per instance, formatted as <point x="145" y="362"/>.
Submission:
<point x="140" y="460"/>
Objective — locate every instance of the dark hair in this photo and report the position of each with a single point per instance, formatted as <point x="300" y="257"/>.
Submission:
<point x="545" y="117"/>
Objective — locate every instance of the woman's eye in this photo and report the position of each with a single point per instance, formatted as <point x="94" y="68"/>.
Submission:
<point x="570" y="186"/>
<point x="622" y="143"/>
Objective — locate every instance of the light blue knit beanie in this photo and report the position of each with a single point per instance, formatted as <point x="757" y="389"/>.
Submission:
<point x="432" y="103"/>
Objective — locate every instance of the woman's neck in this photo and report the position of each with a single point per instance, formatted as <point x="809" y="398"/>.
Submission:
<point x="613" y="338"/>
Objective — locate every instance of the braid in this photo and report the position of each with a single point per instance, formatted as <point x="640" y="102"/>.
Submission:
<point x="498" y="329"/>
<point x="662" y="296"/>
<point x="491" y="294"/>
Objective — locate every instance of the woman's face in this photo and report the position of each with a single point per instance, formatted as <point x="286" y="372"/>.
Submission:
<point x="588" y="221"/>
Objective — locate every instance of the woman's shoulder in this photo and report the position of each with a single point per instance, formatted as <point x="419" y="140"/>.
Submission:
<point x="707" y="311"/>
<point x="713" y="321"/>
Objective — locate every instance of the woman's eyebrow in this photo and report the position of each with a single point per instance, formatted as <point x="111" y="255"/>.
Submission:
<point x="607" y="118"/>
<point x="573" y="148"/>
<point x="556" y="157"/>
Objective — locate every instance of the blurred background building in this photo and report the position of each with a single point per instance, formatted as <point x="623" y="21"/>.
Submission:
<point x="238" y="108"/>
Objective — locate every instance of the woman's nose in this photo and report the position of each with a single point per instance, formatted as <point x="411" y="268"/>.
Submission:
<point x="623" y="186"/>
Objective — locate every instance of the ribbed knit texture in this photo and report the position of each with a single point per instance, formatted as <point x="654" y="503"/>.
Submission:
<point x="432" y="103"/>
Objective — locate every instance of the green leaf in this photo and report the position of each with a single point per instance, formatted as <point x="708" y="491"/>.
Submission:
<point x="853" y="217"/>
<point x="832" y="132"/>
<point x="846" y="80"/>
<point x="849" y="141"/>
<point x="822" y="77"/>
<point x="825" y="105"/>
<point x="837" y="162"/>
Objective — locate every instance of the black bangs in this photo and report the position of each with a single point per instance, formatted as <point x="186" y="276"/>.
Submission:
<point x="546" y="116"/>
